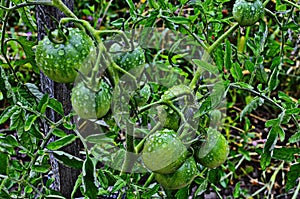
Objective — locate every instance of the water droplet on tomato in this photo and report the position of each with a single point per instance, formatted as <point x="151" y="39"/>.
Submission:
<point x="61" y="52"/>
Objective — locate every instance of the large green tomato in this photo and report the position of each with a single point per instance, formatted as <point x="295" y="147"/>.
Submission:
<point x="214" y="150"/>
<point x="247" y="13"/>
<point x="89" y="104"/>
<point x="164" y="152"/>
<point x="60" y="61"/>
<point x="180" y="178"/>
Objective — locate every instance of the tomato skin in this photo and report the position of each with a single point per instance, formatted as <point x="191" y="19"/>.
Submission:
<point x="164" y="152"/>
<point x="60" y="61"/>
<point x="247" y="13"/>
<point x="214" y="151"/>
<point x="89" y="104"/>
<point x="128" y="59"/>
<point x="180" y="178"/>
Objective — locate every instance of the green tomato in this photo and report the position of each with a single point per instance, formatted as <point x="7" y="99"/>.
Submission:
<point x="247" y="13"/>
<point x="168" y="117"/>
<point x="60" y="61"/>
<point x="128" y="60"/>
<point x="89" y="104"/>
<point x="180" y="178"/>
<point x="214" y="151"/>
<point x="164" y="152"/>
<point x="142" y="95"/>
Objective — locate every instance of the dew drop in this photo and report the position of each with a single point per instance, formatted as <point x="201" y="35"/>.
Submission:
<point x="61" y="52"/>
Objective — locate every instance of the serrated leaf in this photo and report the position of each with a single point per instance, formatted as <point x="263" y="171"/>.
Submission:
<point x="7" y="113"/>
<point x="285" y="97"/>
<point x="292" y="176"/>
<point x="56" y="106"/>
<point x="89" y="179"/>
<point x="34" y="90"/>
<point x="295" y="138"/>
<point x="285" y="154"/>
<point x="29" y="122"/>
<point x="151" y="192"/>
<point x="269" y="146"/>
<point x="68" y="159"/>
<point x="17" y="120"/>
<point x="61" y="142"/>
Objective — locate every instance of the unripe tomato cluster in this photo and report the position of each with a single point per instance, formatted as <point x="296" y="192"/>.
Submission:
<point x="164" y="152"/>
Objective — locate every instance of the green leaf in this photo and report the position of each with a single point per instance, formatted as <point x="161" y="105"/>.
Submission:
<point x="237" y="190"/>
<point x="285" y="97"/>
<point x="58" y="132"/>
<point x="132" y="8"/>
<point x="178" y="20"/>
<point x="228" y="56"/>
<point x="29" y="122"/>
<point x="61" y="142"/>
<point x="7" y="113"/>
<point x="249" y="66"/>
<point x="292" y="176"/>
<point x="201" y="187"/>
<point x="1" y="95"/>
<point x="151" y="192"/>
<point x="272" y="122"/>
<point x="56" y="106"/>
<point x="286" y="154"/>
<point x="34" y="90"/>
<point x="244" y="85"/>
<point x="236" y="72"/>
<point x="43" y="103"/>
<point x="4" y="159"/>
<point x="102" y="179"/>
<point x="250" y="107"/>
<point x="182" y="193"/>
<point x="206" y="66"/>
<point x="41" y="168"/>
<point x="118" y="185"/>
<point x="295" y="111"/>
<point x="269" y="146"/>
<point x="17" y="120"/>
<point x="99" y="138"/>
<point x="68" y="159"/>
<point x="89" y="179"/>
<point x="77" y="185"/>
<point x="295" y="138"/>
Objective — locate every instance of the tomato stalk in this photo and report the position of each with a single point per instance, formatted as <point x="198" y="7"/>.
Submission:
<point x="211" y="48"/>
